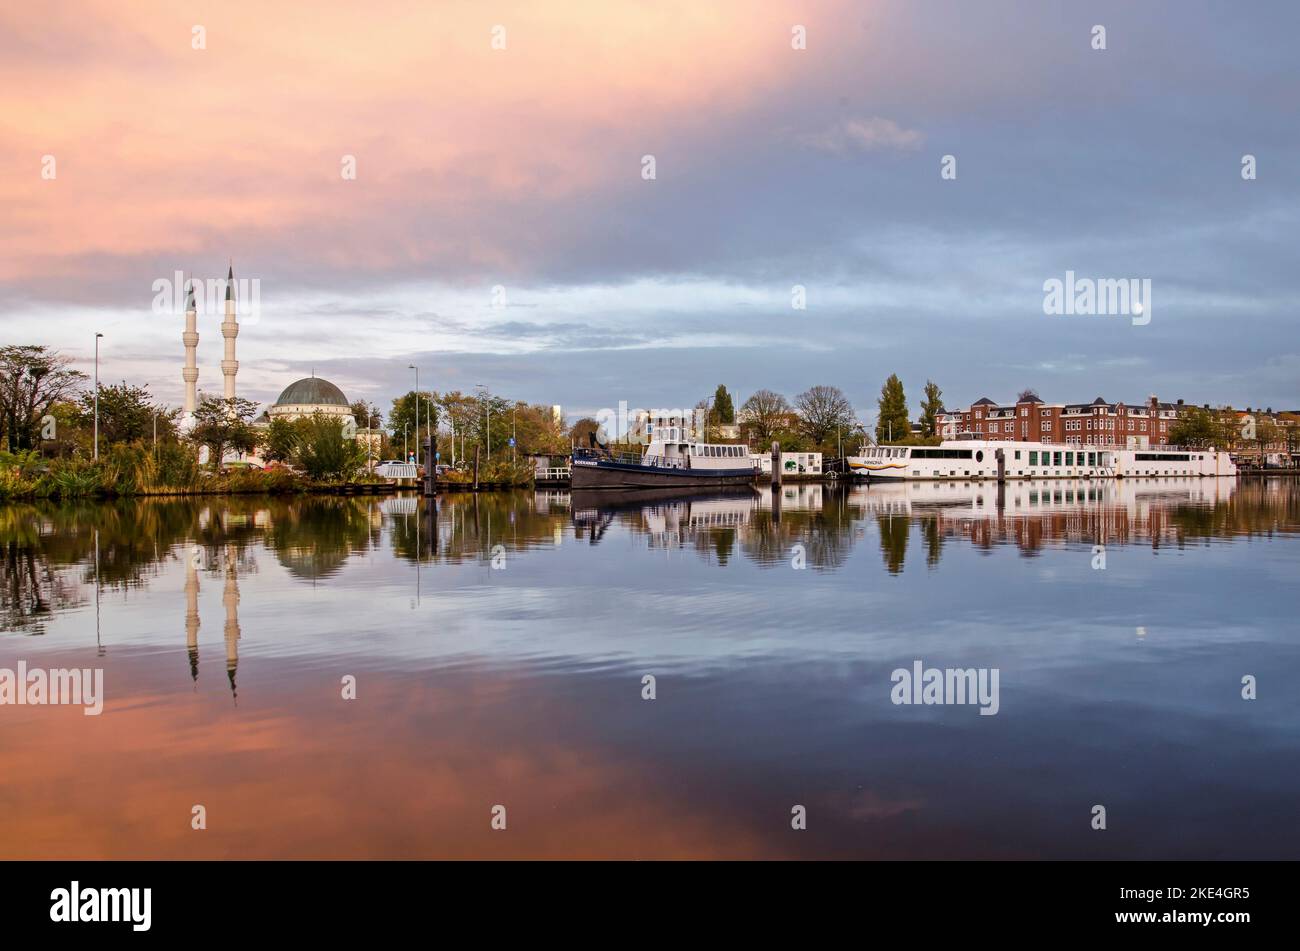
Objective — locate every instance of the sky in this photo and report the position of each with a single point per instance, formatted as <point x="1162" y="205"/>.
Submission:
<point x="500" y="228"/>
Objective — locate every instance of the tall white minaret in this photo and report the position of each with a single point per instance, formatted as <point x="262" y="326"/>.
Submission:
<point x="230" y="598"/>
<point x="191" y="338"/>
<point x="192" y="610"/>
<point x="230" y="330"/>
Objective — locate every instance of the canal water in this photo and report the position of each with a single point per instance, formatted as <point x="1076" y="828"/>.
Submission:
<point x="661" y="676"/>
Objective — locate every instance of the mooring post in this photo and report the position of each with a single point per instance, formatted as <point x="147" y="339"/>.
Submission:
<point x="776" y="464"/>
<point x="476" y="448"/>
<point x="430" y="470"/>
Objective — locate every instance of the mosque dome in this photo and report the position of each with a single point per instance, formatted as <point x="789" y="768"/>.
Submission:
<point x="312" y="391"/>
<point x="307" y="397"/>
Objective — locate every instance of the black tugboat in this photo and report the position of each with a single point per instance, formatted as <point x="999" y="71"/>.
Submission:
<point x="664" y="465"/>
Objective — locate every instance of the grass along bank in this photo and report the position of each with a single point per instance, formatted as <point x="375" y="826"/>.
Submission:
<point x="136" y="469"/>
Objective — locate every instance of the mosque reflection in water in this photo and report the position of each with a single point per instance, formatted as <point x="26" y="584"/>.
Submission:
<point x="56" y="556"/>
<point x="473" y="677"/>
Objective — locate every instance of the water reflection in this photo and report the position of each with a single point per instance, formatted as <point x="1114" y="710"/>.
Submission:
<point x="500" y="641"/>
<point x="50" y="557"/>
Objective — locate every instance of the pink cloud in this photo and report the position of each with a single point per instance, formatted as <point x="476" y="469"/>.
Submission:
<point x="165" y="152"/>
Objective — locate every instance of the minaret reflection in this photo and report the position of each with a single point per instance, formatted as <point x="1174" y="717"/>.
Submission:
<point x="230" y="598"/>
<point x="192" y="610"/>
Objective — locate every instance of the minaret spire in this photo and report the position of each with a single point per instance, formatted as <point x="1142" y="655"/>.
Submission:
<point x="230" y="330"/>
<point x="190" y="373"/>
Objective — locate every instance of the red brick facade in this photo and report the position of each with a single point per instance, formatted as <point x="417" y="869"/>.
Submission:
<point x="1095" y="423"/>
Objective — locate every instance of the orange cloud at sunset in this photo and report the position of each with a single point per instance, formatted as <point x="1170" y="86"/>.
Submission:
<point x="168" y="152"/>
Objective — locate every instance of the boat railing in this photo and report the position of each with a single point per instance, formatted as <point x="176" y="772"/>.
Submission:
<point x="631" y="458"/>
<point x="1105" y="446"/>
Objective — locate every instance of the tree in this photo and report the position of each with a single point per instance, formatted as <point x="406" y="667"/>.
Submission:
<point x="281" y="442"/>
<point x="32" y="379"/>
<point x="402" y="422"/>
<point x="222" y="424"/>
<point x="764" y="414"/>
<point x="930" y="408"/>
<point x="323" y="451"/>
<point x="824" y="412"/>
<point x="365" y="413"/>
<point x="724" y="411"/>
<point x="892" y="423"/>
<point x="1196" y="428"/>
<point x="1268" y="434"/>
<point x="126" y="414"/>
<point x="1028" y="396"/>
<point x="538" y="430"/>
<point x="582" y="430"/>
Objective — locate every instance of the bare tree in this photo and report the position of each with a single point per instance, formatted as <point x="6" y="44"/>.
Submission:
<point x="823" y="411"/>
<point x="764" y="414"/>
<point x="32" y="379"/>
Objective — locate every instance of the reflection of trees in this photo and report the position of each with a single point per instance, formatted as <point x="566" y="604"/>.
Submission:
<point x="767" y="541"/>
<point x="31" y="586"/>
<point x="312" y="536"/>
<point x="466" y="526"/>
<point x="893" y="540"/>
<point x="933" y="534"/>
<point x="48" y="549"/>
<point x="1258" y="507"/>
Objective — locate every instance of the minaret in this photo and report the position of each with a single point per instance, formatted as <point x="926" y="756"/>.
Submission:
<point x="191" y="338"/>
<point x="192" y="611"/>
<point x="230" y="330"/>
<point x="230" y="598"/>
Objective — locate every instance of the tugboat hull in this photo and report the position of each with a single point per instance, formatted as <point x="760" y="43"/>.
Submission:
<point x="621" y="475"/>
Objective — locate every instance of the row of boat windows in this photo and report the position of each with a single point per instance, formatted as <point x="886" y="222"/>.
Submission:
<point x="1051" y="458"/>
<point x="718" y="452"/>
<point x="1054" y="458"/>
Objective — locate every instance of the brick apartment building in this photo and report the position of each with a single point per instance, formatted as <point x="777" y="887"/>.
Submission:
<point x="1096" y="423"/>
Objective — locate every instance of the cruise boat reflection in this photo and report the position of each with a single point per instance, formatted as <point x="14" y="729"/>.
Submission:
<point x="1031" y="512"/>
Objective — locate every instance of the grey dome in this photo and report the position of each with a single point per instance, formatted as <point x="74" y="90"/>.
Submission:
<point x="312" y="391"/>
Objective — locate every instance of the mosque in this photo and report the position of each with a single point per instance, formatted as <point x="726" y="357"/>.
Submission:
<point x="301" y="398"/>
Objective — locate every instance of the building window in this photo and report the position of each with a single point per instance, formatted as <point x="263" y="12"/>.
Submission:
<point x="1033" y="457"/>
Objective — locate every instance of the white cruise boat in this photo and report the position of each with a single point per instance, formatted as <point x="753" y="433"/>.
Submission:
<point x="986" y="459"/>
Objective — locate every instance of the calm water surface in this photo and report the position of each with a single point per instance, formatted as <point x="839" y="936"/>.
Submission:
<point x="225" y="626"/>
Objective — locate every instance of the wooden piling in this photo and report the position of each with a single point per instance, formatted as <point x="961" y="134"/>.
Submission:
<point x="476" y="448"/>
<point x="430" y="469"/>
<point x="776" y="464"/>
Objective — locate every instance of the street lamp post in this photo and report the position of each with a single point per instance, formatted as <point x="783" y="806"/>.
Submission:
<point x="487" y="421"/>
<point x="412" y="366"/>
<point x="97" y="336"/>
<point x="406" y="455"/>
